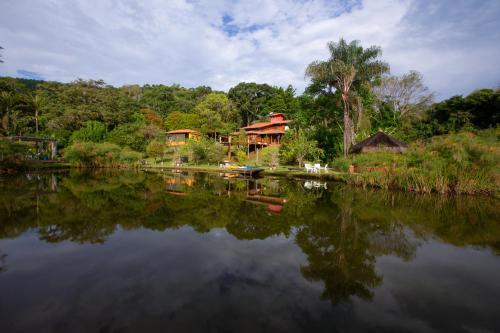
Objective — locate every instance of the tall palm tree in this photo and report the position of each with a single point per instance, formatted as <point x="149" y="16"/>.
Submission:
<point x="36" y="102"/>
<point x="349" y="66"/>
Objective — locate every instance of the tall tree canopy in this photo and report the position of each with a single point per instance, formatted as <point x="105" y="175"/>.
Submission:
<point x="407" y="93"/>
<point x="218" y="113"/>
<point x="250" y="99"/>
<point x="349" y="67"/>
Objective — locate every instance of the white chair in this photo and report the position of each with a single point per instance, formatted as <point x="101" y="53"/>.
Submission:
<point x="309" y="167"/>
<point x="317" y="167"/>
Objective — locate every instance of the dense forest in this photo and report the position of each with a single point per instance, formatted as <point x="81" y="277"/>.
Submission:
<point x="350" y="96"/>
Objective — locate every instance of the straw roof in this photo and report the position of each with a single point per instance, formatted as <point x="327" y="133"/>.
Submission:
<point x="379" y="141"/>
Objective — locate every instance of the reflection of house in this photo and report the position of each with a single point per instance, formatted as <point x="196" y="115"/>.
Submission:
<point x="189" y="182"/>
<point x="379" y="142"/>
<point x="178" y="185"/>
<point x="273" y="204"/>
<point x="181" y="136"/>
<point x="256" y="194"/>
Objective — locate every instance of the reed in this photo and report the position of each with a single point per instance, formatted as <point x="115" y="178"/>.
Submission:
<point x="462" y="163"/>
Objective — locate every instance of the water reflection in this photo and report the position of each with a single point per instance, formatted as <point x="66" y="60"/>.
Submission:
<point x="342" y="233"/>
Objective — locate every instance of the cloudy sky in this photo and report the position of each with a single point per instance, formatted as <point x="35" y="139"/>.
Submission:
<point x="454" y="43"/>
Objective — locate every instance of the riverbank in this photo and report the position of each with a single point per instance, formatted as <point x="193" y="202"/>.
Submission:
<point x="380" y="178"/>
<point x="28" y="166"/>
<point x="400" y="179"/>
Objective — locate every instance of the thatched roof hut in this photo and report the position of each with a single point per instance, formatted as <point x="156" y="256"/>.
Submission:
<point x="379" y="142"/>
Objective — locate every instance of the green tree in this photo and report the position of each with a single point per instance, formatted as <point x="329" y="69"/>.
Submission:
<point x="250" y="99"/>
<point x="36" y="102"/>
<point x="12" y="154"/>
<point x="156" y="149"/>
<point x="92" y="131"/>
<point x="205" y="151"/>
<point x="276" y="104"/>
<point x="217" y="112"/>
<point x="271" y="157"/>
<point x="70" y="106"/>
<point x="349" y="66"/>
<point x="296" y="146"/>
<point x="129" y="135"/>
<point x="167" y="99"/>
<point x="179" y="120"/>
<point x="483" y="106"/>
<point x="9" y="102"/>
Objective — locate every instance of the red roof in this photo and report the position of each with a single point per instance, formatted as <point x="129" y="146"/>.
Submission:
<point x="266" y="124"/>
<point x="183" y="131"/>
<point x="267" y="132"/>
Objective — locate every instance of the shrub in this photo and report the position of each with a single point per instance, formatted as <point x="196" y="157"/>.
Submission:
<point x="98" y="155"/>
<point x="156" y="149"/>
<point x="81" y="154"/>
<point x="296" y="146"/>
<point x="205" y="151"/>
<point x="128" y="135"/>
<point x="271" y="156"/>
<point x="92" y="131"/>
<point x="129" y="156"/>
<point x="12" y="154"/>
<point x="240" y="155"/>
<point x="107" y="153"/>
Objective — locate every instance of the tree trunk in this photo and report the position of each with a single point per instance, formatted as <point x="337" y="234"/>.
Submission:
<point x="5" y="122"/>
<point x="36" y="121"/>
<point x="347" y="125"/>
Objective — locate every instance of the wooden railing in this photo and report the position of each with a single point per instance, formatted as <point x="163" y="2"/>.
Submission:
<point x="259" y="141"/>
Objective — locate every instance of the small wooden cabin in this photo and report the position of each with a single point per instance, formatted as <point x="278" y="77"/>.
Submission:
<point x="379" y="142"/>
<point x="181" y="136"/>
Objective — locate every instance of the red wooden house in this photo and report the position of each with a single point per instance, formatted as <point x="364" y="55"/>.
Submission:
<point x="259" y="135"/>
<point x="267" y="133"/>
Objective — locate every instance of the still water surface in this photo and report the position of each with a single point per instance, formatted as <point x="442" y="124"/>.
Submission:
<point x="182" y="252"/>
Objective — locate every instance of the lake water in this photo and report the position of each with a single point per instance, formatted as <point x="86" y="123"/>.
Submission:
<point x="182" y="252"/>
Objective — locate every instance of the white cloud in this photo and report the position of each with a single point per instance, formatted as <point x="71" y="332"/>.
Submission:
<point x="454" y="44"/>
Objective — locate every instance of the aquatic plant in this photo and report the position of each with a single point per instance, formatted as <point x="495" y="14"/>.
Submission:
<point x="462" y="163"/>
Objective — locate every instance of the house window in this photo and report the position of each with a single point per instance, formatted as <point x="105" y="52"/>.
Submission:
<point x="177" y="137"/>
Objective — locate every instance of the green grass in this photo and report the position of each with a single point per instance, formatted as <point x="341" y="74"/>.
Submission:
<point x="463" y="163"/>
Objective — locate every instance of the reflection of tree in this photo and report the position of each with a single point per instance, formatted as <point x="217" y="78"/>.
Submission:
<point x="338" y="254"/>
<point x="3" y="259"/>
<point x="255" y="222"/>
<point x="342" y="243"/>
<point x="341" y="230"/>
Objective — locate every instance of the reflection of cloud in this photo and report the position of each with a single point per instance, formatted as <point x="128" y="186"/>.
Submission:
<point x="222" y="42"/>
<point x="438" y="291"/>
<point x="178" y="279"/>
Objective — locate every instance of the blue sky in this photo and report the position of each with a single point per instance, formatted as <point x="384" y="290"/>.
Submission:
<point x="455" y="44"/>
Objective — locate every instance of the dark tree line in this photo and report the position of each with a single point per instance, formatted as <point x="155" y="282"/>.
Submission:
<point x="351" y="95"/>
